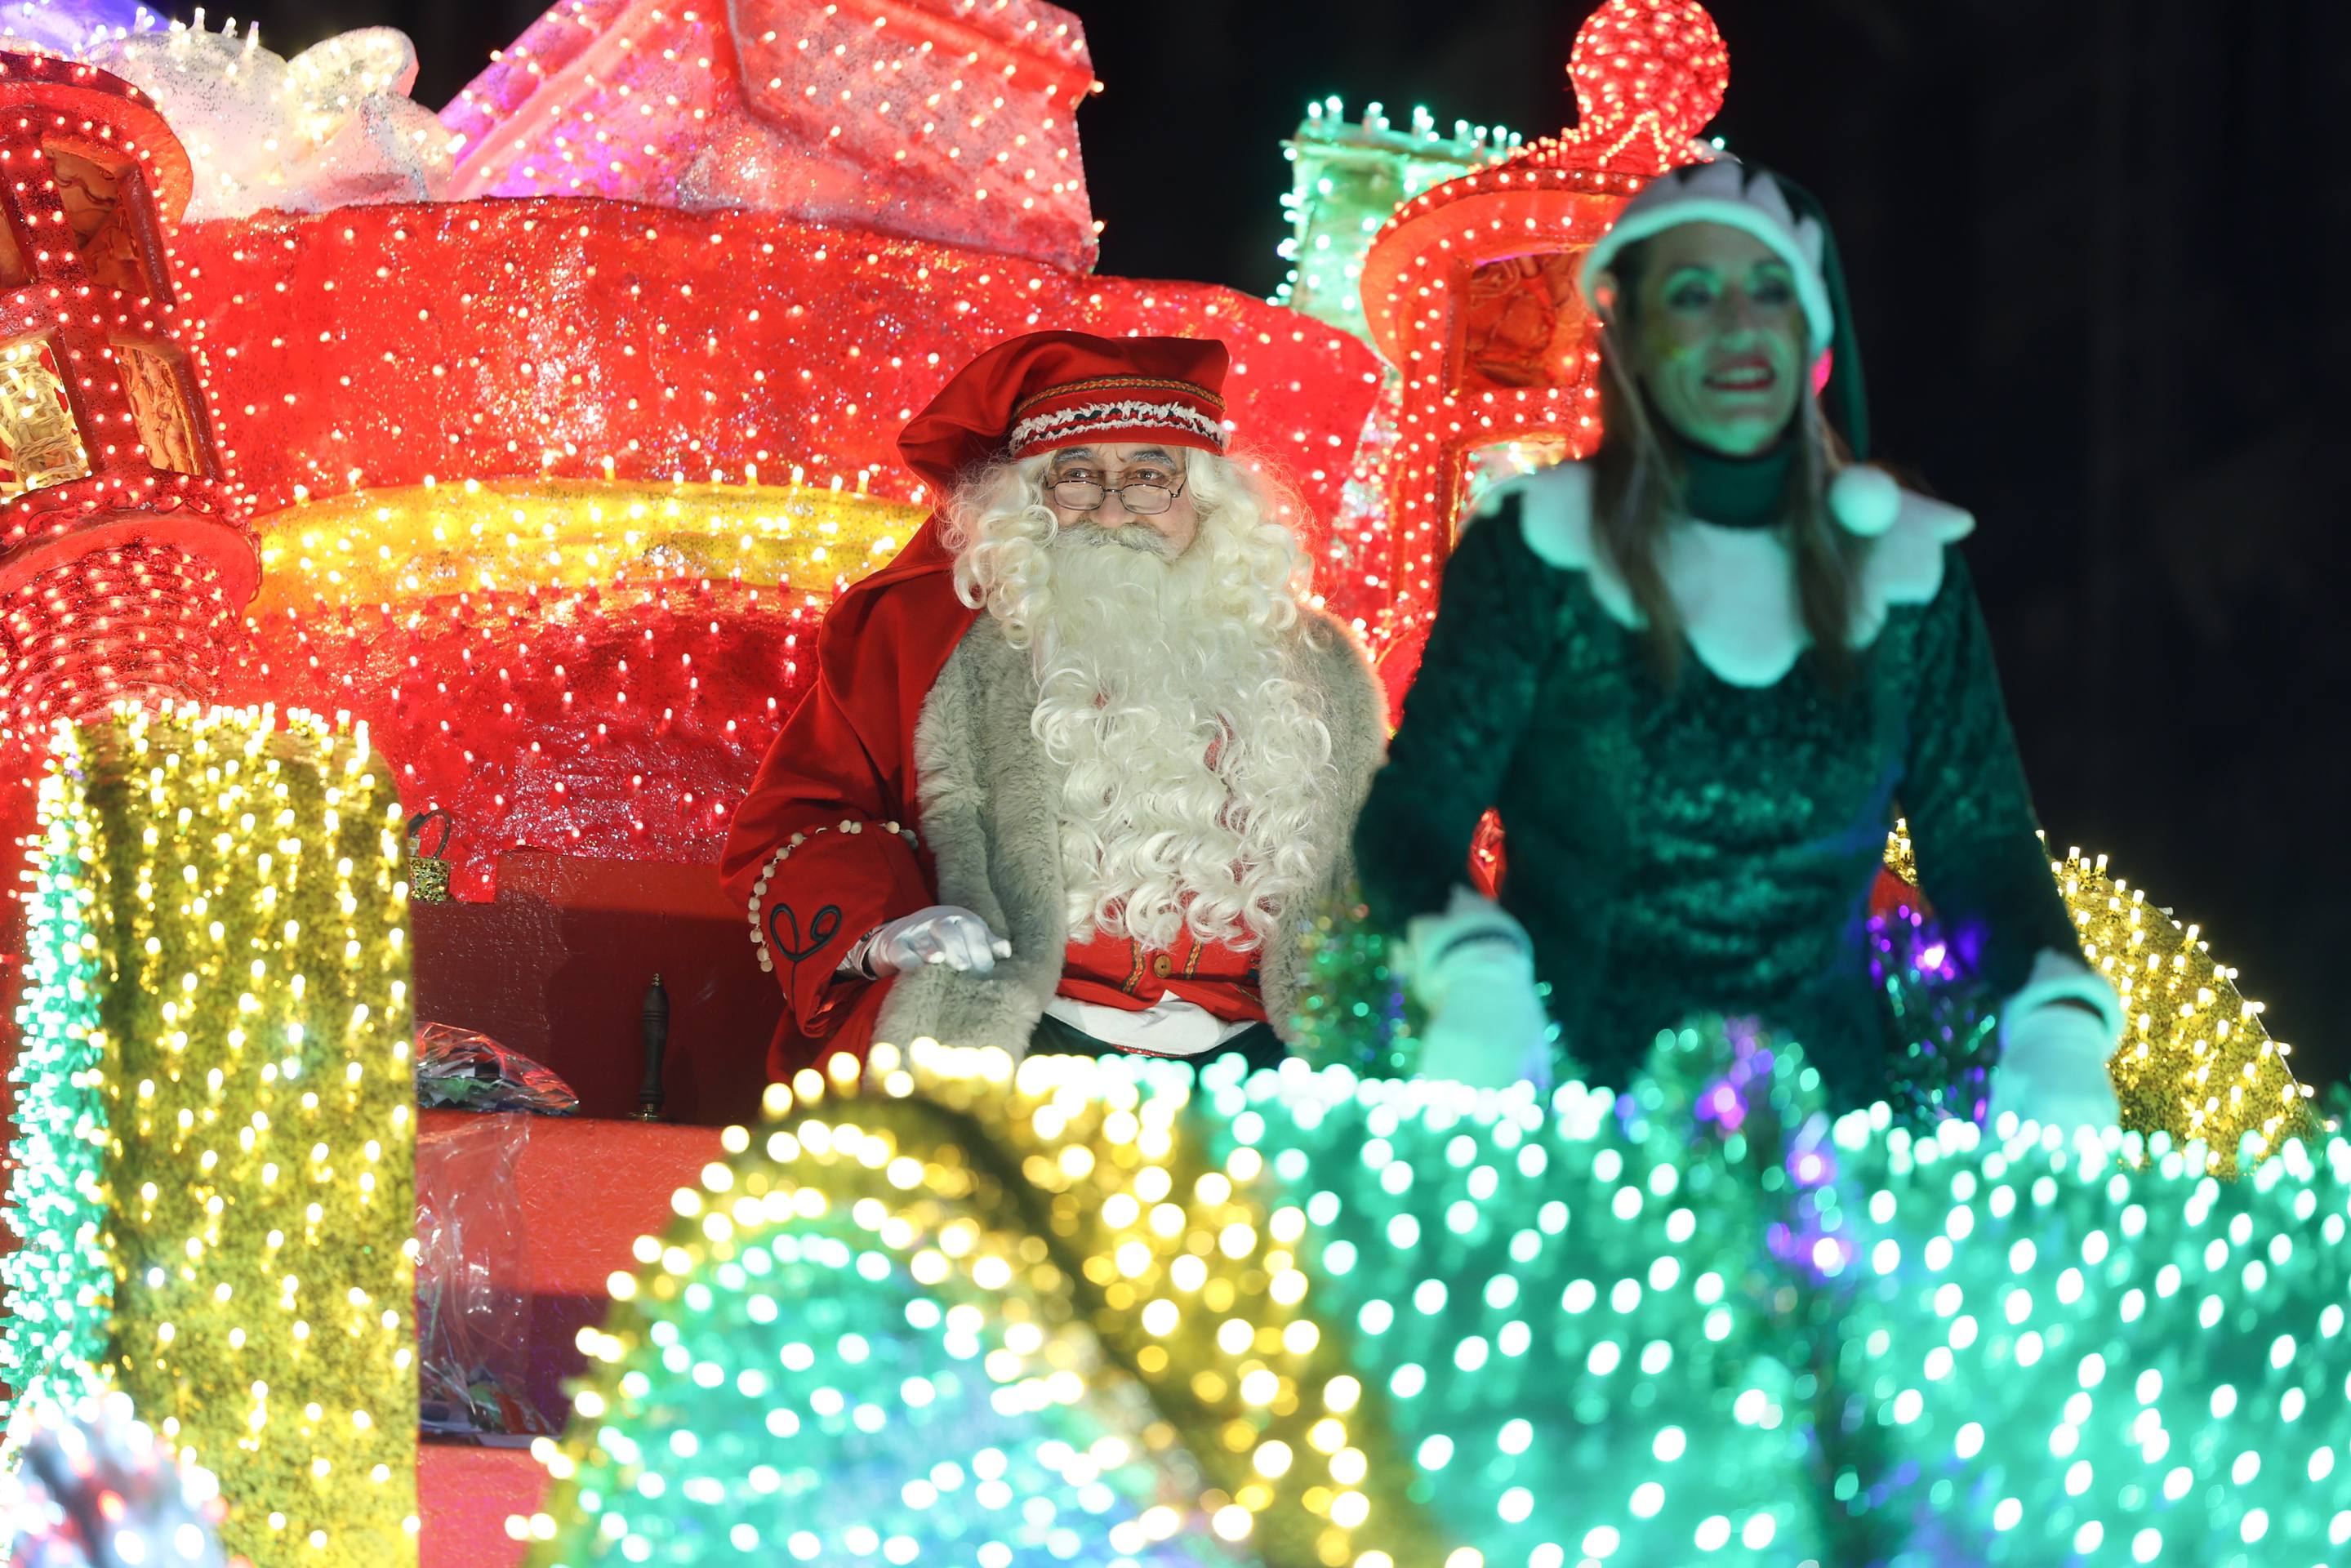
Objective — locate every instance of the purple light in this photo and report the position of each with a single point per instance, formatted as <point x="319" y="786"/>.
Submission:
<point x="69" y="26"/>
<point x="1722" y="1104"/>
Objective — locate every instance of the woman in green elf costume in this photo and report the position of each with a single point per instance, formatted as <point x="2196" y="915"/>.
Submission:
<point x="1697" y="675"/>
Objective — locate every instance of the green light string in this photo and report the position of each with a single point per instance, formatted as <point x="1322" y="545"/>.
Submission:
<point x="1700" y="1321"/>
<point x="59" y="1285"/>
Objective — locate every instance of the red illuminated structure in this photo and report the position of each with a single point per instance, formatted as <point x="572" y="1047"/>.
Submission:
<point x="1470" y="289"/>
<point x="550" y="483"/>
<point x="123" y="565"/>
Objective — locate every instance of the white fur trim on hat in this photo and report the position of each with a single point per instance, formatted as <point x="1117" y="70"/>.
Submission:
<point x="1063" y="425"/>
<point x="1723" y="191"/>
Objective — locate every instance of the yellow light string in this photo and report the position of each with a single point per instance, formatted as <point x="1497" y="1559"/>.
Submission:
<point x="1104" y="1245"/>
<point x="254" y="1043"/>
<point x="385" y="546"/>
<point x="2195" y="1059"/>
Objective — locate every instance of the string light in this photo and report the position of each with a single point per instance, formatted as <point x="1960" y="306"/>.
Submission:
<point x="379" y="348"/>
<point x="122" y="555"/>
<point x="2196" y="1060"/>
<point x="237" y="980"/>
<point x="948" y="1216"/>
<point x="729" y="388"/>
<point x="553" y="536"/>
<point x="955" y="125"/>
<point x="1350" y="176"/>
<point x="1372" y="1321"/>
<point x="60" y="1287"/>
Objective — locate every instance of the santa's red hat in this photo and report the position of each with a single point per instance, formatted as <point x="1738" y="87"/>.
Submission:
<point x="1046" y="390"/>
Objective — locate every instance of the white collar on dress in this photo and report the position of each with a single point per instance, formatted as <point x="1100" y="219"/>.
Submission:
<point x="1735" y="587"/>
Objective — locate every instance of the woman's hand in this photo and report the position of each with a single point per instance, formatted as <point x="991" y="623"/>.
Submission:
<point x="1473" y="968"/>
<point x="1491" y="1030"/>
<point x="2052" y="1068"/>
<point x="942" y="934"/>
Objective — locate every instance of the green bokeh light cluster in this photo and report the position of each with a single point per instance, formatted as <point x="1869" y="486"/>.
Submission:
<point x="1701" y="1321"/>
<point x="776" y="1384"/>
<point x="59" y="1285"/>
<point x="1829" y="1341"/>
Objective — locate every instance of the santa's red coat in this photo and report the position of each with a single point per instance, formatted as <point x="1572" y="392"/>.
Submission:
<point x="837" y="777"/>
<point x="825" y="847"/>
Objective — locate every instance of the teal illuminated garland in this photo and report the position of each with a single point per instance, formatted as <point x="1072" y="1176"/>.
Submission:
<point x="1699" y="1322"/>
<point x="59" y="1285"/>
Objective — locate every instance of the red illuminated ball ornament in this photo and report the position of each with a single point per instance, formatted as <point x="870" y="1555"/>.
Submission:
<point x="1470" y="291"/>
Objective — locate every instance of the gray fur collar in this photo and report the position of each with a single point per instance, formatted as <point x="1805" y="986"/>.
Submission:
<point x="988" y="801"/>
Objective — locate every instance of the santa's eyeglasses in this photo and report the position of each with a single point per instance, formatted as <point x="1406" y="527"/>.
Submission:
<point x="1144" y="499"/>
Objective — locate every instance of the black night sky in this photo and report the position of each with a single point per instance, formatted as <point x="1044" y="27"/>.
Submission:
<point x="2098" y="253"/>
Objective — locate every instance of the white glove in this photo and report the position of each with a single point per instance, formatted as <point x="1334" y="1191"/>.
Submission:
<point x="2052" y="1069"/>
<point x="942" y="934"/>
<point x="1474" y="969"/>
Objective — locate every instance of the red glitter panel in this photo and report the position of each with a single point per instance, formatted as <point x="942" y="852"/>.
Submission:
<point x="379" y="346"/>
<point x="621" y="730"/>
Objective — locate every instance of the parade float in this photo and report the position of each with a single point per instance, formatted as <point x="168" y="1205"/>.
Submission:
<point x="485" y="474"/>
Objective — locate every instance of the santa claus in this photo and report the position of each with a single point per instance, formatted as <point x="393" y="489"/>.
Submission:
<point x="1077" y="764"/>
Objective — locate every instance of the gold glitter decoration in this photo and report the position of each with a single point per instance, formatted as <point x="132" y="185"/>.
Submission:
<point x="2195" y="1059"/>
<point x="385" y="546"/>
<point x="39" y="443"/>
<point x="1113" y="1250"/>
<point x="253" y="998"/>
<point x="1899" y="858"/>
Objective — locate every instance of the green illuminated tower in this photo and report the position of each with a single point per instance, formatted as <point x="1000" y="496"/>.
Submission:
<point x="1352" y="176"/>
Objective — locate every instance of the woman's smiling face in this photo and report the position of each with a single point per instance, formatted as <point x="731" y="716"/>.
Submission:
<point x="1716" y="337"/>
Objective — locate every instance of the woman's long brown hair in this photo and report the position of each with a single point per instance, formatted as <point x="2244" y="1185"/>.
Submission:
<point x="1639" y="485"/>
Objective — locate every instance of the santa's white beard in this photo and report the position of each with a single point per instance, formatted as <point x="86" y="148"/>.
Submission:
<point x="1146" y="671"/>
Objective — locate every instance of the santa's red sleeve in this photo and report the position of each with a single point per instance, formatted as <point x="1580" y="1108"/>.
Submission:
<point x="823" y="848"/>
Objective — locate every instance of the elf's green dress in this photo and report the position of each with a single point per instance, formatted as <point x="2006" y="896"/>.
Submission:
<point x="1711" y="846"/>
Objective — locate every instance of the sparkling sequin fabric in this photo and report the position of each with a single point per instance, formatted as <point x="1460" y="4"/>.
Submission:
<point x="1707" y="846"/>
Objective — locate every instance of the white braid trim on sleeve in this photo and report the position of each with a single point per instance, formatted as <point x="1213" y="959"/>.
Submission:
<point x="760" y="888"/>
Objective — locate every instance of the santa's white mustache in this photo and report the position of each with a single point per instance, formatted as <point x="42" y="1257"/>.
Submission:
<point x="1133" y="536"/>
